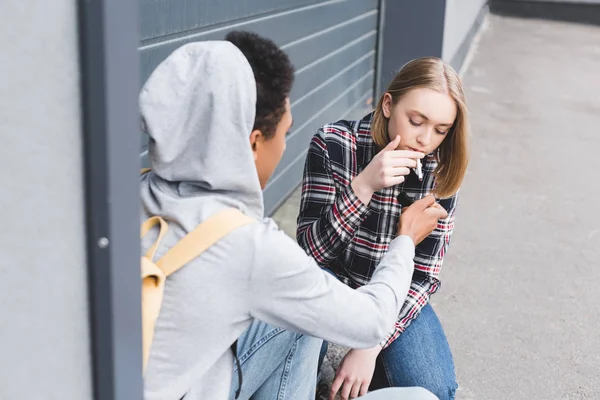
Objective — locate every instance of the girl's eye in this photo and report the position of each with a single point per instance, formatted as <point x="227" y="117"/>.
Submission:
<point x="413" y="123"/>
<point x="441" y="132"/>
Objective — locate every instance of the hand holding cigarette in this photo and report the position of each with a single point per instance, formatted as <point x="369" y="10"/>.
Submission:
<point x="388" y="168"/>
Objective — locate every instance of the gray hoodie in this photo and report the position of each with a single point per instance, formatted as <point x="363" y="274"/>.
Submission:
<point x="198" y="107"/>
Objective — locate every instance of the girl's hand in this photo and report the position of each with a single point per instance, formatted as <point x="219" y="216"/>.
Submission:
<point x="387" y="168"/>
<point x="354" y="375"/>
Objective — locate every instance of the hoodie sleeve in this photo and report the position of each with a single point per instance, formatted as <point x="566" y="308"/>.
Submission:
<point x="291" y="291"/>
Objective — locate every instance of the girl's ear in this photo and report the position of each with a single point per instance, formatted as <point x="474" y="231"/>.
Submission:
<point x="386" y="105"/>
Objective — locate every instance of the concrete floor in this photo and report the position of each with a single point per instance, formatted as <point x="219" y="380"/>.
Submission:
<point x="520" y="299"/>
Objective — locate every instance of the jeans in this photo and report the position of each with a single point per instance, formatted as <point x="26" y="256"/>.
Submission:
<point x="279" y="364"/>
<point x="421" y="357"/>
<point x="276" y="364"/>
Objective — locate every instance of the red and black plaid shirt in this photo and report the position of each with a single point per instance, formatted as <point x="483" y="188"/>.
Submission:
<point x="350" y="238"/>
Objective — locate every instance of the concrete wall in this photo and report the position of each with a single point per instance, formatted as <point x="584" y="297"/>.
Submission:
<point x="460" y="24"/>
<point x="44" y="334"/>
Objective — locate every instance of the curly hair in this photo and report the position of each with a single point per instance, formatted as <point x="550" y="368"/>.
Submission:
<point x="274" y="75"/>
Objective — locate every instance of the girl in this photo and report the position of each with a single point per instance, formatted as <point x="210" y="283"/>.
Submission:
<point x="352" y="191"/>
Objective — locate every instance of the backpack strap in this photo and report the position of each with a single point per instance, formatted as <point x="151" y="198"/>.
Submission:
<point x="204" y="236"/>
<point x="195" y="243"/>
<point x="149" y="224"/>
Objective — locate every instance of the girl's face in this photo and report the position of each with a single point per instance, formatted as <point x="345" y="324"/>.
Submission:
<point x="422" y="118"/>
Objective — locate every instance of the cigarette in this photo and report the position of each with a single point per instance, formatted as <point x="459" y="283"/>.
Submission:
<point x="419" y="170"/>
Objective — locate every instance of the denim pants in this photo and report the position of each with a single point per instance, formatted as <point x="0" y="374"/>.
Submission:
<point x="276" y="364"/>
<point x="420" y="357"/>
<point x="279" y="365"/>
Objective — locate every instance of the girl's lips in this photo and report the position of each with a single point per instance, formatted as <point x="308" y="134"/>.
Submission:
<point x="418" y="150"/>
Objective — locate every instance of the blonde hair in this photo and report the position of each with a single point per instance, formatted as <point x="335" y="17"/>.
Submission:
<point x="453" y="153"/>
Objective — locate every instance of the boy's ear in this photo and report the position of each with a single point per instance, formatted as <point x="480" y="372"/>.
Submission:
<point x="256" y="138"/>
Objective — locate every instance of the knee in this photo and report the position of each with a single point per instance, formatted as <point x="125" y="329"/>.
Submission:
<point x="439" y="378"/>
<point x="310" y="342"/>
<point x="300" y="341"/>
<point x="442" y="384"/>
<point x="443" y="389"/>
<point x="307" y="350"/>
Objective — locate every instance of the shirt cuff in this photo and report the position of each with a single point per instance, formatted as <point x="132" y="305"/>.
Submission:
<point x="389" y="339"/>
<point x="351" y="208"/>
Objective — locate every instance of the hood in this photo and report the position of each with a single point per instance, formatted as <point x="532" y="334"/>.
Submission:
<point x="198" y="107"/>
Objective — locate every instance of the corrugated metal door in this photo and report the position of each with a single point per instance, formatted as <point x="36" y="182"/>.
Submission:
<point x="332" y="44"/>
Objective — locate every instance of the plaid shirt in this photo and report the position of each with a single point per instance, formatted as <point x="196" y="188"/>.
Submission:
<point x="350" y="238"/>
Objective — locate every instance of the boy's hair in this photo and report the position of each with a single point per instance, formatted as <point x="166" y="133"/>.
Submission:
<point x="274" y="75"/>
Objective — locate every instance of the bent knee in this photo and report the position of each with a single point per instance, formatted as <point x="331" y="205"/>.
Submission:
<point x="310" y="341"/>
<point x="444" y="387"/>
<point x="439" y="381"/>
<point x="444" y="390"/>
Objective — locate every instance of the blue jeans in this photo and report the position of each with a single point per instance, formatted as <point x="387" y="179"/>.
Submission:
<point x="276" y="364"/>
<point x="421" y="356"/>
<point x="279" y="364"/>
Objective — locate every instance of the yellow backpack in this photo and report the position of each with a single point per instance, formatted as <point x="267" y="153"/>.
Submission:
<point x="155" y="273"/>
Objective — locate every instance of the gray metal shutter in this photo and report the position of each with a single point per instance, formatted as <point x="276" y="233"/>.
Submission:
<point x="332" y="45"/>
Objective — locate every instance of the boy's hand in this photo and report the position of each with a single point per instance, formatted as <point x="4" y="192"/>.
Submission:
<point x="421" y="218"/>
